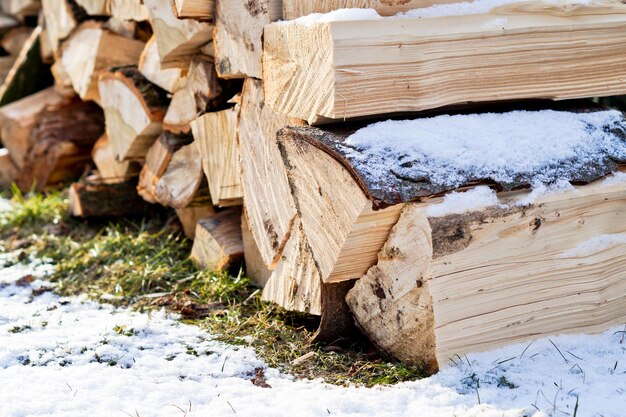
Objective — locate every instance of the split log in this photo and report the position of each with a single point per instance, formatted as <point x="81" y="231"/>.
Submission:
<point x="94" y="7"/>
<point x="110" y="169"/>
<point x="45" y="44"/>
<point x="177" y="39"/>
<point x="14" y="40"/>
<point x="97" y="198"/>
<point x="62" y="81"/>
<point x="195" y="9"/>
<point x="215" y="138"/>
<point x="313" y="72"/>
<point x="134" y="109"/>
<point x="133" y="10"/>
<point x="157" y="160"/>
<point x="28" y="74"/>
<point x="447" y="286"/>
<point x="61" y="144"/>
<point x="90" y="51"/>
<point x="190" y="216"/>
<point x="20" y="8"/>
<point x="170" y="80"/>
<point x="181" y="181"/>
<point x="217" y="244"/>
<point x="8" y="170"/>
<point x="18" y="119"/>
<point x="61" y="17"/>
<point x="255" y="266"/>
<point x="270" y="207"/>
<point x="292" y="9"/>
<point x="238" y="33"/>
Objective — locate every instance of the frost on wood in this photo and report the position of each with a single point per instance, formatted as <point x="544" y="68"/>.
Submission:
<point x="399" y="161"/>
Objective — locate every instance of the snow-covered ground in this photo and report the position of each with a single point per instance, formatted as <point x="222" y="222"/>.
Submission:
<point x="70" y="357"/>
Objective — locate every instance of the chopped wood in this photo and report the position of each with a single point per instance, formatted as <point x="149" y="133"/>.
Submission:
<point x="181" y="181"/>
<point x="446" y="286"/>
<point x="97" y="198"/>
<point x="189" y="217"/>
<point x="6" y="64"/>
<point x="292" y="9"/>
<point x="45" y="44"/>
<point x="195" y="9"/>
<point x="14" y="40"/>
<point x="61" y="144"/>
<point x="128" y="10"/>
<point x="170" y="79"/>
<point x="94" y="7"/>
<point x="313" y="72"/>
<point x="110" y="169"/>
<point x="20" y="8"/>
<point x="62" y="81"/>
<point x="217" y="244"/>
<point x="18" y="119"/>
<point x="134" y="109"/>
<point x="238" y="33"/>
<point x="125" y="28"/>
<point x="255" y="266"/>
<point x="215" y="137"/>
<point x="8" y="170"/>
<point x="270" y="206"/>
<point x="177" y="39"/>
<point x="157" y="160"/>
<point x="28" y="74"/>
<point x="61" y="17"/>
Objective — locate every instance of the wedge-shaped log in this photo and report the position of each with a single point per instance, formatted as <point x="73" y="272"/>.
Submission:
<point x="217" y="243"/>
<point x="447" y="286"/>
<point x="109" y="168"/>
<point x="215" y="137"/>
<point x="195" y="9"/>
<point x="95" y="197"/>
<point x="293" y="9"/>
<point x="170" y="80"/>
<point x="177" y="39"/>
<point x="134" y="109"/>
<point x="181" y="181"/>
<point x="238" y="33"/>
<point x="348" y="69"/>
<point x="90" y="51"/>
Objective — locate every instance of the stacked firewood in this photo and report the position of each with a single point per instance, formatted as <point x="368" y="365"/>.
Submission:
<point x="241" y="116"/>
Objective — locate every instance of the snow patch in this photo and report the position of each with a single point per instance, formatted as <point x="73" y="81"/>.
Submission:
<point x="595" y="244"/>
<point x="339" y="15"/>
<point x="456" y="9"/>
<point x="541" y="190"/>
<point x="462" y="202"/>
<point x="615" y="179"/>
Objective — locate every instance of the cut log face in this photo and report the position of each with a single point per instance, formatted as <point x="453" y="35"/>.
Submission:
<point x="292" y="9"/>
<point x="90" y="51"/>
<point x="109" y="168"/>
<point x="62" y="82"/>
<point x="313" y="72"/>
<point x="134" y="109"/>
<point x="181" y="181"/>
<point x="170" y="80"/>
<point x="215" y="137"/>
<point x="18" y="119"/>
<point x="189" y="217"/>
<point x="217" y="243"/>
<point x="8" y="170"/>
<point x="270" y="206"/>
<point x="177" y="39"/>
<point x="497" y="276"/>
<point x="128" y="10"/>
<point x="238" y="33"/>
<point x="97" y="198"/>
<point x="195" y="9"/>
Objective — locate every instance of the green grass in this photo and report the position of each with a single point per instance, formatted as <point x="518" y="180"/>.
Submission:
<point x="144" y="263"/>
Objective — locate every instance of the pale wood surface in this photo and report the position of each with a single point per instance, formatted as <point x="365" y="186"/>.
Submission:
<point x="128" y="10"/>
<point x="181" y="181"/>
<point x="195" y="9"/>
<point x="60" y="21"/>
<point x="238" y="33"/>
<point x="255" y="266"/>
<point x="293" y="9"/>
<point x="62" y="82"/>
<point x="94" y="7"/>
<point x="189" y="217"/>
<point x="217" y="243"/>
<point x="20" y="8"/>
<point x="110" y="169"/>
<point x="177" y="39"/>
<point x="215" y="137"/>
<point x="315" y="74"/>
<point x="170" y="79"/>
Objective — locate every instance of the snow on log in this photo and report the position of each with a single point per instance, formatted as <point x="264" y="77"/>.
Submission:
<point x="293" y="9"/>
<point x="323" y="68"/>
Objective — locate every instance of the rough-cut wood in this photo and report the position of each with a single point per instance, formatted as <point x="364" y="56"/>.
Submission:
<point x="61" y="17"/>
<point x="90" y="51"/>
<point x="217" y="243"/>
<point x="157" y="160"/>
<point x="134" y="109"/>
<point x="62" y="82"/>
<point x="8" y="170"/>
<point x="215" y="137"/>
<point x="195" y="9"/>
<point x="255" y="266"/>
<point x="20" y="8"/>
<point x="61" y="144"/>
<point x="182" y="179"/>
<point x="496" y="276"/>
<point x="15" y="39"/>
<point x="128" y="10"/>
<point x="293" y="9"/>
<point x="189" y="217"/>
<point x="177" y="39"/>
<point x="269" y="205"/>
<point x="109" y="168"/>
<point x="97" y="198"/>
<point x="18" y="119"/>
<point x="28" y="74"/>
<point x="45" y="43"/>
<point x="94" y="7"/>
<point x="170" y="80"/>
<point x="238" y="33"/>
<point x="349" y="69"/>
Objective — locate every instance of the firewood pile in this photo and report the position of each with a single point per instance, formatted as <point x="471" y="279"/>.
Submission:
<point x="486" y="205"/>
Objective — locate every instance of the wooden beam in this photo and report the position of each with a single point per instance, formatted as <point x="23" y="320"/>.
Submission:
<point x="313" y="72"/>
<point x="195" y="9"/>
<point x="217" y="243"/>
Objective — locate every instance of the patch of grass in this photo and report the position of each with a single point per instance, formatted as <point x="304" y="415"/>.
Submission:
<point x="144" y="263"/>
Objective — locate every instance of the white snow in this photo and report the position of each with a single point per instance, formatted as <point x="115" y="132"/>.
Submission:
<point x="461" y="202"/>
<point x="595" y="244"/>
<point x="542" y="190"/>
<point x="62" y="357"/>
<point x="615" y="179"/>
<point x="336" y="16"/>
<point x="456" y="9"/>
<point x="534" y="146"/>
